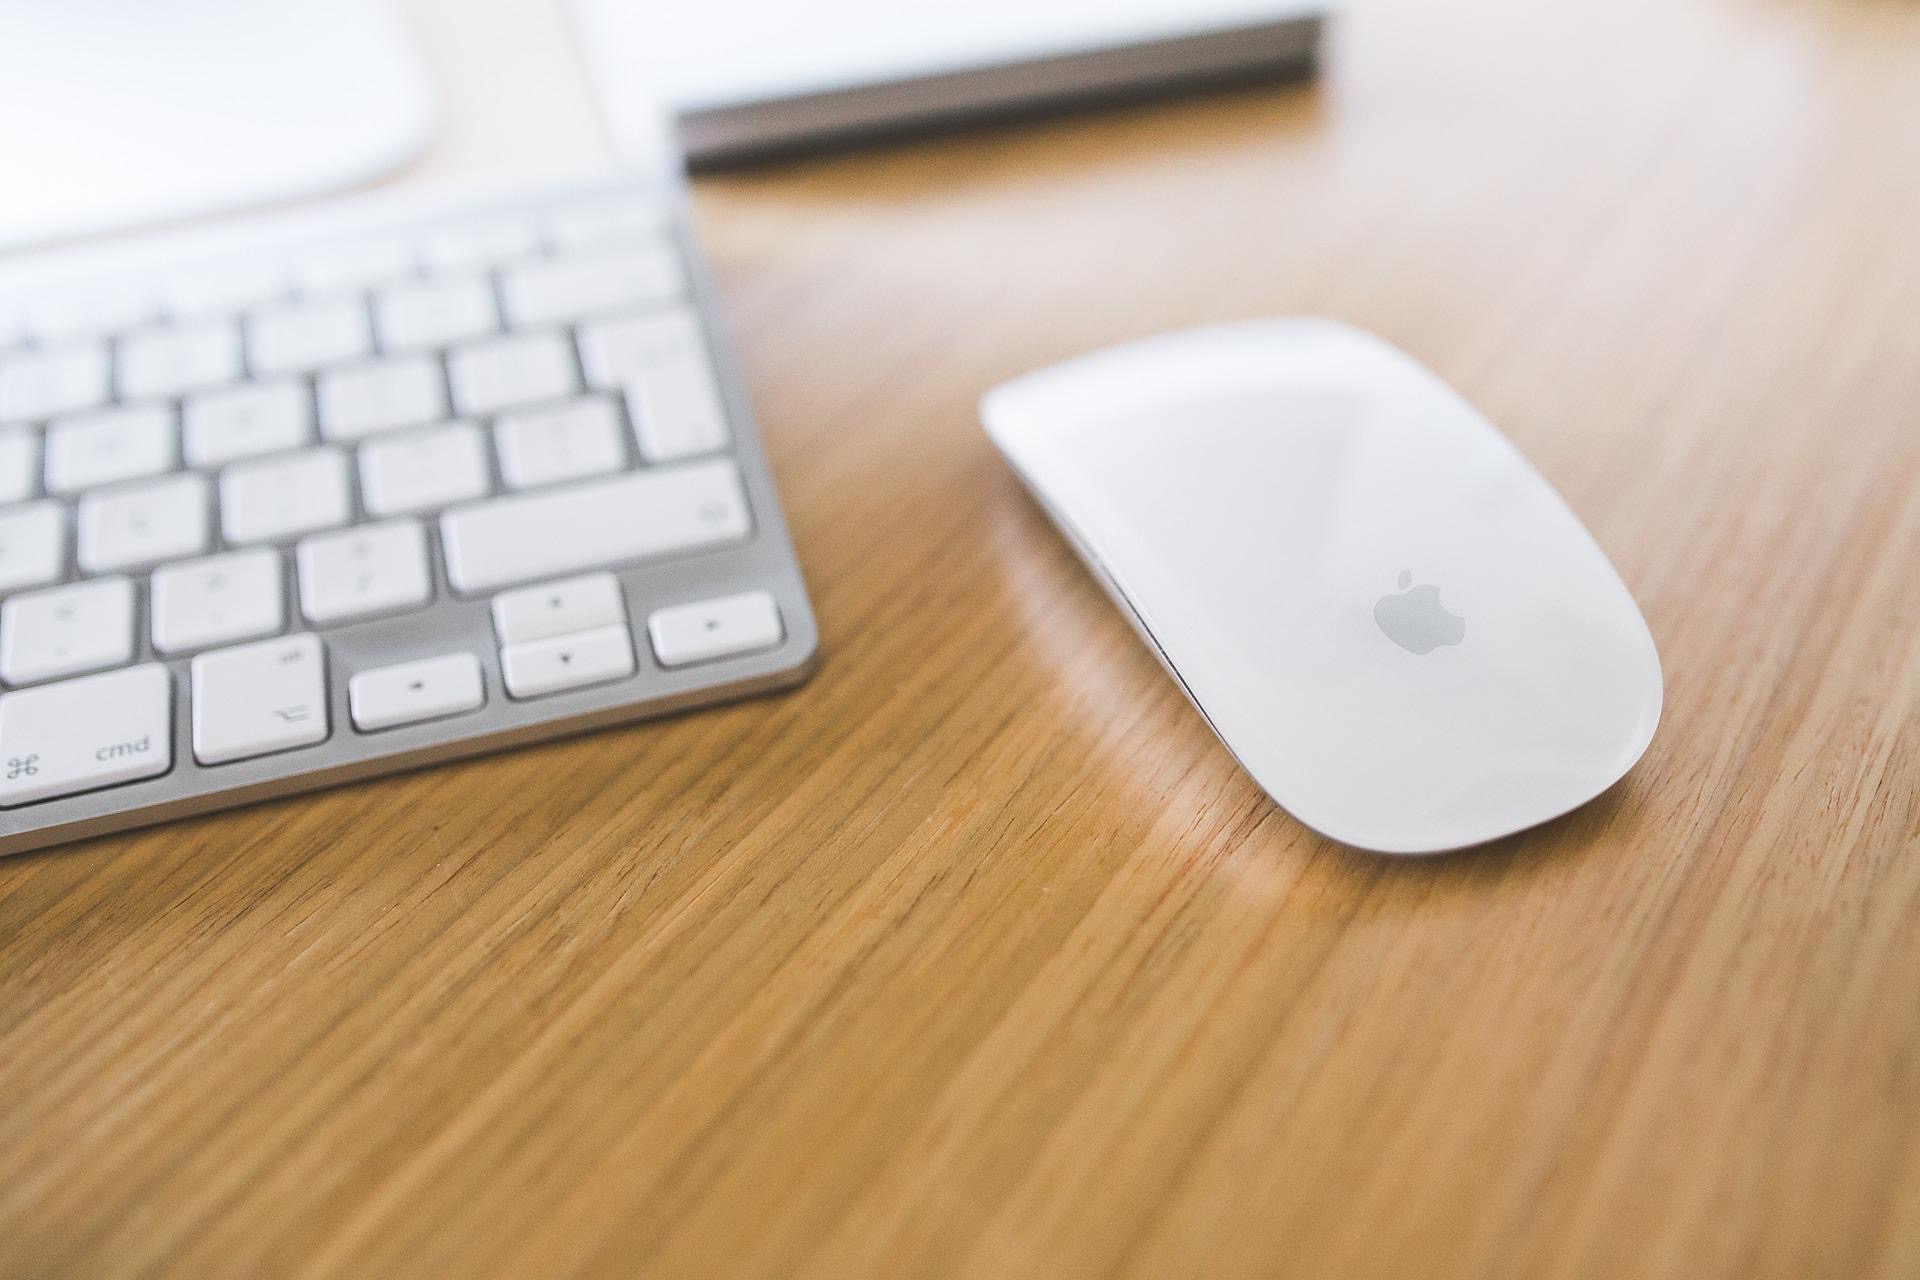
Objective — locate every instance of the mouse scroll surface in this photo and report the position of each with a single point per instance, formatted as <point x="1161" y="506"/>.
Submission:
<point x="1396" y="626"/>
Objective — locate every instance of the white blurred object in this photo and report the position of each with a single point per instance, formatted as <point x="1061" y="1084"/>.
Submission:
<point x="121" y="113"/>
<point x="745" y="77"/>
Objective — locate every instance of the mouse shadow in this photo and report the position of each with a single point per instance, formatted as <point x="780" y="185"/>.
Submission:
<point x="1579" y="833"/>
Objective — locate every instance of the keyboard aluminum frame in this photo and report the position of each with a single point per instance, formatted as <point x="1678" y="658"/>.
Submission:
<point x="451" y="622"/>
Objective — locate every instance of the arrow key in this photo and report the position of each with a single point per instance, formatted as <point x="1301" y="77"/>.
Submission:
<point x="710" y="629"/>
<point x="410" y="692"/>
<point x="561" y="608"/>
<point x="541" y="667"/>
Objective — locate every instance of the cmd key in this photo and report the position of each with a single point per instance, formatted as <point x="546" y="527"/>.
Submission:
<point x="81" y="735"/>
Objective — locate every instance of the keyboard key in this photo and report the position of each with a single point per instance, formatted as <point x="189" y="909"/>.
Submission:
<point x="418" y="471"/>
<point x="361" y="399"/>
<point x="410" y="692"/>
<point x="62" y="631"/>
<point x="602" y="220"/>
<point x="559" y="442"/>
<point x="259" y="698"/>
<point x="71" y="310"/>
<point x="586" y="284"/>
<point x="81" y="735"/>
<point x="40" y="383"/>
<point x="217" y="600"/>
<point x="541" y="667"/>
<point x="243" y="422"/>
<point x="19" y="463"/>
<point x="435" y="313"/>
<point x="660" y="359"/>
<point x="474" y="244"/>
<point x="572" y="605"/>
<point x="714" y="628"/>
<point x="139" y="526"/>
<point x="355" y="573"/>
<point x="272" y="499"/>
<point x="354" y="266"/>
<point x="33" y="544"/>
<point x="618" y="350"/>
<point x="296" y="337"/>
<point x="108" y="445"/>
<point x="223" y="288"/>
<point x="177" y="359"/>
<point x="504" y="373"/>
<point x="632" y="516"/>
<point x="676" y="410"/>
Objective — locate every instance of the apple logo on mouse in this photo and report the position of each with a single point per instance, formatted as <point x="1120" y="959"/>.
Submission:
<point x="1414" y="618"/>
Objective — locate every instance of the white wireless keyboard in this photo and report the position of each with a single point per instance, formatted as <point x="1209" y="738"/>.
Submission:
<point x="323" y="497"/>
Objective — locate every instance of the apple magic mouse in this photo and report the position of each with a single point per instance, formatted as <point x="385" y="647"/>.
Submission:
<point x="1391" y="620"/>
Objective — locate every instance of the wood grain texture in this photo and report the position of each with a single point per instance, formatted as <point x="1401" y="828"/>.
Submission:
<point x="977" y="956"/>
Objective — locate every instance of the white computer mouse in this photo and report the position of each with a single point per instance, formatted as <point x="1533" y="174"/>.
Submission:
<point x="1392" y="621"/>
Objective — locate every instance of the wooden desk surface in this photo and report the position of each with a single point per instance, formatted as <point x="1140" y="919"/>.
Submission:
<point x="977" y="955"/>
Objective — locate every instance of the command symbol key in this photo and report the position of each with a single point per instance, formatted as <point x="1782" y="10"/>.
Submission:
<point x="81" y="735"/>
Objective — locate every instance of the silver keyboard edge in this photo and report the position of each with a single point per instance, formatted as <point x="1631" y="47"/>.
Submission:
<point x="299" y="782"/>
